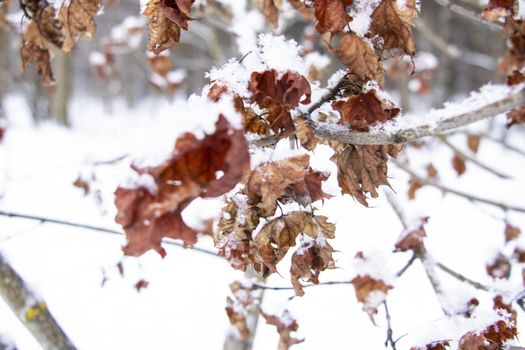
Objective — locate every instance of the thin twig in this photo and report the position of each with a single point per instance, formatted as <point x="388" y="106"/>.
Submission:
<point x="329" y="283"/>
<point x="94" y="228"/>
<point x="503" y="143"/>
<point x="471" y="159"/>
<point x="470" y="58"/>
<point x="426" y="260"/>
<point x="471" y="197"/>
<point x="462" y="278"/>
<point x="407" y="265"/>
<point x="389" y="333"/>
<point x="460" y="10"/>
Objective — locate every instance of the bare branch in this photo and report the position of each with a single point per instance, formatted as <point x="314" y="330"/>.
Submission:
<point x="460" y="10"/>
<point x="462" y="278"/>
<point x="446" y="189"/>
<point x="389" y="333"/>
<point x="31" y="310"/>
<point x="452" y="122"/>
<point x="95" y="228"/>
<point x="329" y="283"/>
<point x="472" y="159"/>
<point x="470" y="58"/>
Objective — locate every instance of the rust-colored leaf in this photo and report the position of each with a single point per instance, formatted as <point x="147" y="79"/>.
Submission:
<point x="473" y="142"/>
<point x="203" y="168"/>
<point x="308" y="190"/>
<point x="413" y="186"/>
<point x="141" y="284"/>
<point x="269" y="182"/>
<point x="34" y="49"/>
<point x="305" y="134"/>
<point x="515" y="78"/>
<point x="363" y="110"/>
<point x="285" y="325"/>
<point x="516" y="116"/>
<point x="499" y="268"/>
<point x="370" y="292"/>
<point x="78" y="18"/>
<point x="514" y="58"/>
<point x="164" y="32"/>
<point x="270" y="10"/>
<point x="511" y="232"/>
<point x="362" y="169"/>
<point x="458" y="163"/>
<point x="331" y="15"/>
<point x="497" y="9"/>
<point x="177" y="11"/>
<point x="279" y="96"/>
<point x="359" y="58"/>
<point x="393" y="24"/>
<point x="412" y="239"/>
<point x="309" y="260"/>
<point x="302" y="8"/>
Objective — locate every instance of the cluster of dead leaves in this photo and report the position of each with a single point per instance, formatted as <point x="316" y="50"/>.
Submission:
<point x="363" y="168"/>
<point x="290" y="180"/>
<point x="203" y="168"/>
<point x="47" y="28"/>
<point x="279" y="96"/>
<point x="166" y="19"/>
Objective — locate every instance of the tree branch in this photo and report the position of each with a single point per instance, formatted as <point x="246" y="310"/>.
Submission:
<point x="94" y="228"/>
<point x="451" y="122"/>
<point x="476" y="17"/>
<point x="472" y="159"/>
<point x="31" y="310"/>
<point x="470" y="58"/>
<point x="468" y="196"/>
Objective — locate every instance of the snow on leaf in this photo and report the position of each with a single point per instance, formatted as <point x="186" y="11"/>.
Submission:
<point x="285" y="325"/>
<point x="370" y="292"/>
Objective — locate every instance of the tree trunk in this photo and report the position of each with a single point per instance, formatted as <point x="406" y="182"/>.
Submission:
<point x="63" y="74"/>
<point x="4" y="69"/>
<point x="31" y="310"/>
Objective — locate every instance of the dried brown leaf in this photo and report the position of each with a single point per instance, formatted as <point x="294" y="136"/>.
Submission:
<point x="331" y="15"/>
<point x="359" y="58"/>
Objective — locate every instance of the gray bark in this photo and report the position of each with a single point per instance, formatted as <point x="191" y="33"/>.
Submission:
<point x="31" y="310"/>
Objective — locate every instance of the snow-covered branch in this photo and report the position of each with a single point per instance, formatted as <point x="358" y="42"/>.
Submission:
<point x="31" y="310"/>
<point x="490" y="101"/>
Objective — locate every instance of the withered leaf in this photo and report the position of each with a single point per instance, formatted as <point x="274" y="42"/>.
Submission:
<point x="359" y="58"/>
<point x="515" y="78"/>
<point x="278" y="235"/>
<point x="514" y="58"/>
<point x="305" y="134"/>
<point x="498" y="8"/>
<point x="363" y="110"/>
<point x="511" y="232"/>
<point x="361" y="169"/>
<point x="302" y="8"/>
<point x="269" y="182"/>
<point x="412" y="239"/>
<point x="141" y="284"/>
<point x="331" y="15"/>
<point x="279" y="96"/>
<point x="458" y="163"/>
<point x="308" y="190"/>
<point x="177" y="11"/>
<point x="164" y="32"/>
<point x="366" y="285"/>
<point x="49" y="27"/>
<point x="473" y="142"/>
<point x="308" y="261"/>
<point x="34" y="49"/>
<point x="78" y="18"/>
<point x="270" y="10"/>
<point x="500" y="267"/>
<point x="413" y="186"/>
<point x="393" y="24"/>
<point x="285" y="326"/>
<point x="436" y="345"/>
<point x="238" y="307"/>
<point x="198" y="168"/>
